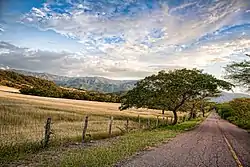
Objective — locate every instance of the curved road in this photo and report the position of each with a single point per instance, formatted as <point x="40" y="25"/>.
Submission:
<point x="215" y="143"/>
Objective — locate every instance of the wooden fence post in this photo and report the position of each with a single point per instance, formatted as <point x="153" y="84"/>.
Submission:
<point x="85" y="128"/>
<point x="139" y="121"/>
<point x="110" y="126"/>
<point x="171" y="120"/>
<point x="47" y="132"/>
<point x="148" y="124"/>
<point x="157" y="121"/>
<point x="163" y="118"/>
<point x="127" y="125"/>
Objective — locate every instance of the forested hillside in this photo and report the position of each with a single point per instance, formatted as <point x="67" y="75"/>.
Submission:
<point x="41" y="87"/>
<point x="13" y="79"/>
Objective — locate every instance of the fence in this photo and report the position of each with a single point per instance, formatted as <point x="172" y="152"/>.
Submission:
<point x="87" y="129"/>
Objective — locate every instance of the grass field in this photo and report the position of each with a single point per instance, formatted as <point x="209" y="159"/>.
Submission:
<point x="23" y="117"/>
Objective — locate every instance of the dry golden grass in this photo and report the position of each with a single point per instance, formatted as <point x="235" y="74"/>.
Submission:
<point x="22" y="117"/>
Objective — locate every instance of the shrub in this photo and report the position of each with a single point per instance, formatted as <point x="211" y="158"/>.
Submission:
<point x="236" y="111"/>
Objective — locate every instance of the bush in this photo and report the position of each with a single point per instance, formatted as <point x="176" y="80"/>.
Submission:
<point x="225" y="110"/>
<point x="236" y="111"/>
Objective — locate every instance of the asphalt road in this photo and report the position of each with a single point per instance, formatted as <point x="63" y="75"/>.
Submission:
<point x="215" y="143"/>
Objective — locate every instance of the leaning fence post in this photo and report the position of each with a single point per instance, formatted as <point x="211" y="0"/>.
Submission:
<point x="85" y="128"/>
<point x="47" y="132"/>
<point x="110" y="126"/>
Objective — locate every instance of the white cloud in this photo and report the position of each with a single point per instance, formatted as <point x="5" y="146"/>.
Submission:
<point x="140" y="53"/>
<point x="37" y="12"/>
<point x="87" y="27"/>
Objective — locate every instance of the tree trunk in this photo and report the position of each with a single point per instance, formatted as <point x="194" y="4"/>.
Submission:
<point x="163" y="111"/>
<point x="175" y="117"/>
<point x="190" y="115"/>
<point x="203" y="110"/>
<point x="192" y="112"/>
<point x="194" y="115"/>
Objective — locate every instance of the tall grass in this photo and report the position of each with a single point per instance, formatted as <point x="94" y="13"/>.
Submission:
<point x="22" y="125"/>
<point x="22" y="121"/>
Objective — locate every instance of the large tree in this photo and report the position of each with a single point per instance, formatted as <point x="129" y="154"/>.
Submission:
<point x="171" y="90"/>
<point x="239" y="73"/>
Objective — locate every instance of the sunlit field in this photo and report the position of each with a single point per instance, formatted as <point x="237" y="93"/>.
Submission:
<point x="23" y="117"/>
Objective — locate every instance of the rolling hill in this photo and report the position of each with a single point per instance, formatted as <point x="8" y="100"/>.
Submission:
<point x="100" y="84"/>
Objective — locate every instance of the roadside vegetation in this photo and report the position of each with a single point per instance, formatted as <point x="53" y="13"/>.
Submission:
<point x="106" y="152"/>
<point x="236" y="111"/>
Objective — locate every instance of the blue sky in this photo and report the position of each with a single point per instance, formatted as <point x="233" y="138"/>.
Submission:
<point x="123" y="39"/>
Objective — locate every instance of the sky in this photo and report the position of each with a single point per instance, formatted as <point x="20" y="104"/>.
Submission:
<point x="123" y="39"/>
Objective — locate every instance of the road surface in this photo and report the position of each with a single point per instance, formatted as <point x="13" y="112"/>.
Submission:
<point x="215" y="143"/>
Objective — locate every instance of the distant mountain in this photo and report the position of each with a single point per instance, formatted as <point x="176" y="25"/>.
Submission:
<point x="100" y="84"/>
<point x="226" y="97"/>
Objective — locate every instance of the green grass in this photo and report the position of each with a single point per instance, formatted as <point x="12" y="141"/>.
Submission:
<point x="107" y="155"/>
<point x="125" y="146"/>
<point x="188" y="125"/>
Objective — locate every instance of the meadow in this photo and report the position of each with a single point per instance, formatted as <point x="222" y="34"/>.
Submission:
<point x="23" y="117"/>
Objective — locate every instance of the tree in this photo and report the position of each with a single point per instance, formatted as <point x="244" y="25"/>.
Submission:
<point x="239" y="73"/>
<point x="171" y="90"/>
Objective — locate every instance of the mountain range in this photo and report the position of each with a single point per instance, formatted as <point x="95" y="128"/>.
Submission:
<point x="226" y="96"/>
<point x="100" y="84"/>
<point x="106" y="85"/>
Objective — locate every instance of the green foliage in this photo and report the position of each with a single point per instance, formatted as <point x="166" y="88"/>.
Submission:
<point x="225" y="110"/>
<point x="171" y="90"/>
<point x="237" y="112"/>
<point x="239" y="73"/>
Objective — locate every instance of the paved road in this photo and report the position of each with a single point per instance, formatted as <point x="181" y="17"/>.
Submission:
<point x="215" y="143"/>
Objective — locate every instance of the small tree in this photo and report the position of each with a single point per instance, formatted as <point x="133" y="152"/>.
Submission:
<point x="239" y="73"/>
<point x="171" y="90"/>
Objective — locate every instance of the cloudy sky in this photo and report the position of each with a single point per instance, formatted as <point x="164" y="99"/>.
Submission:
<point x="122" y="39"/>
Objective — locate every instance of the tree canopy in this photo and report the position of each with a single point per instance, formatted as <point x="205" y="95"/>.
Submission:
<point x="239" y="73"/>
<point x="171" y="90"/>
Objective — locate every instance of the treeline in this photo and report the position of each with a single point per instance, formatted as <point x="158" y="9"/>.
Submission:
<point x="58" y="92"/>
<point x="40" y="87"/>
<point x="236" y="111"/>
